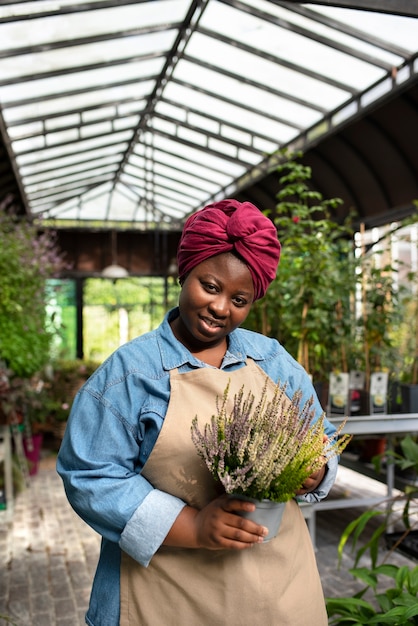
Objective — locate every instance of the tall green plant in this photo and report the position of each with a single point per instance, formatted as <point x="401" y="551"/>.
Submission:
<point x="389" y="594"/>
<point x="387" y="320"/>
<point x="309" y="307"/>
<point x="380" y="313"/>
<point x="27" y="260"/>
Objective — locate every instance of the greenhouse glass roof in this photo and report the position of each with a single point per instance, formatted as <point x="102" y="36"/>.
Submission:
<point x="139" y="113"/>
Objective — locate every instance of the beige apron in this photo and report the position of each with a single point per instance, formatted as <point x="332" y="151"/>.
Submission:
<point x="276" y="583"/>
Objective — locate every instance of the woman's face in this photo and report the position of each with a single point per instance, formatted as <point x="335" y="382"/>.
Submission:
<point x="216" y="298"/>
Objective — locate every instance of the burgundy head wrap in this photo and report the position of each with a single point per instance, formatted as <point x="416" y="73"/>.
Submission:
<point x="231" y="226"/>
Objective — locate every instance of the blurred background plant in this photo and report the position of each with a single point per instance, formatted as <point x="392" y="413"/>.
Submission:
<point x="27" y="259"/>
<point x="309" y="308"/>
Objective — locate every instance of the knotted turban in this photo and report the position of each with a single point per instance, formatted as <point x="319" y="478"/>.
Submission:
<point x="231" y="226"/>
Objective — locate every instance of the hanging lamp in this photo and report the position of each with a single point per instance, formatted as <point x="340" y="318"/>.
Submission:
<point x="114" y="270"/>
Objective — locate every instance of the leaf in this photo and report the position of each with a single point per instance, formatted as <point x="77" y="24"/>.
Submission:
<point x="348" y="606"/>
<point x="355" y="527"/>
<point x="397" y="616"/>
<point x="387" y="569"/>
<point x="365" y="575"/>
<point x="410" y="450"/>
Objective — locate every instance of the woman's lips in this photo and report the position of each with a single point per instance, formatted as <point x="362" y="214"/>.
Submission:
<point x="211" y="323"/>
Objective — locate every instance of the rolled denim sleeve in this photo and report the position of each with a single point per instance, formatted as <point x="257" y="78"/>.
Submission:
<point x="98" y="463"/>
<point x="158" y="511"/>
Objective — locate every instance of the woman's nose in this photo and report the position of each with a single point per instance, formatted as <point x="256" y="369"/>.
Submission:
<point x="219" y="306"/>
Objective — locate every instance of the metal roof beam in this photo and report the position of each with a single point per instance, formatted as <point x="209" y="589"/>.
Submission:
<point x="304" y="32"/>
<point x="98" y="180"/>
<point x="208" y="134"/>
<point x="13" y="164"/>
<point x="8" y="104"/>
<point x="208" y="168"/>
<point x="140" y="176"/>
<point x="168" y="188"/>
<point x="54" y="169"/>
<point x="82" y="41"/>
<point x="223" y="122"/>
<point x="77" y="69"/>
<point x="74" y="143"/>
<point x="43" y="184"/>
<point x="343" y="28"/>
<point x="252" y="83"/>
<point x="220" y="155"/>
<point x="65" y="10"/>
<point x="274" y="59"/>
<point x="241" y="105"/>
<point x="408" y="8"/>
<point x="191" y="20"/>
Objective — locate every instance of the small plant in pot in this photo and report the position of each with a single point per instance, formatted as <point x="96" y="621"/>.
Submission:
<point x="265" y="450"/>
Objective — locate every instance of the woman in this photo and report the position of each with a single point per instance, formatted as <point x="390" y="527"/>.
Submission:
<point x="174" y="551"/>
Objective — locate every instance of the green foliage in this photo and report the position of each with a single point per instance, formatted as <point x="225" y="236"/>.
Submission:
<point x="27" y="260"/>
<point x="144" y="300"/>
<point x="381" y="312"/>
<point x="308" y="307"/>
<point x="389" y="604"/>
<point x="335" y="306"/>
<point x="388" y="323"/>
<point x="396" y="605"/>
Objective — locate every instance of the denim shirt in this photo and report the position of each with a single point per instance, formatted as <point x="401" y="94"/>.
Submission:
<point x="114" y="422"/>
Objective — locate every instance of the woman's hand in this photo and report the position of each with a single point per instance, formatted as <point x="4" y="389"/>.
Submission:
<point x="216" y="527"/>
<point x="312" y="482"/>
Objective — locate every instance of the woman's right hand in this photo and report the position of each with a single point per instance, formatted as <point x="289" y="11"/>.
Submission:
<point x="216" y="527"/>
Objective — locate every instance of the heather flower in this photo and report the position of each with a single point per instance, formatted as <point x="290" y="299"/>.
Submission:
<point x="265" y="450"/>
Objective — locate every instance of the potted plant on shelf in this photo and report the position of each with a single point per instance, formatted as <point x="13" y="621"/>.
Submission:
<point x="28" y="258"/>
<point x="67" y="376"/>
<point x="264" y="450"/>
<point x="309" y="307"/>
<point x="408" y="349"/>
<point x="22" y="408"/>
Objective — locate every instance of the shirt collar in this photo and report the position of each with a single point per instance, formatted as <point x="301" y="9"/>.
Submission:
<point x="174" y="354"/>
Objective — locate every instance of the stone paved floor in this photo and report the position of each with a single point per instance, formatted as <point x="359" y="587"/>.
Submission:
<point x="48" y="555"/>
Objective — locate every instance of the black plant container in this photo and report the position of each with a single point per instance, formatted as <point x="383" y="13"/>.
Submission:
<point x="409" y="398"/>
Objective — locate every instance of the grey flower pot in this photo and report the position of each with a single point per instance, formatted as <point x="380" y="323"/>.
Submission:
<point x="267" y="513"/>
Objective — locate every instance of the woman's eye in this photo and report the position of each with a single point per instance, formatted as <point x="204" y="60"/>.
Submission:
<point x="240" y="302"/>
<point x="209" y="287"/>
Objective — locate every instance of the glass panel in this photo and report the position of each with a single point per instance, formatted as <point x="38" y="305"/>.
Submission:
<point x="248" y="78"/>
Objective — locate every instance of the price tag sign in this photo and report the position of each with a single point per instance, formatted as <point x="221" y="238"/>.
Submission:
<point x="357" y="379"/>
<point x="378" y="392"/>
<point x="338" y="394"/>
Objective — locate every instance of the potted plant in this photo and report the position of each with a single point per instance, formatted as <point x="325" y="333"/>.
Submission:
<point x="66" y="378"/>
<point x="309" y="307"/>
<point x="408" y="349"/>
<point x="264" y="450"/>
<point x="21" y="404"/>
<point x="28" y="258"/>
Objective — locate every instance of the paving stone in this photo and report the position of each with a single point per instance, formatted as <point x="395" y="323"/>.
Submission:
<point x="65" y="608"/>
<point x="42" y="619"/>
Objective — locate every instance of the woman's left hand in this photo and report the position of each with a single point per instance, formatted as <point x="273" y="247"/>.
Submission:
<point x="312" y="482"/>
